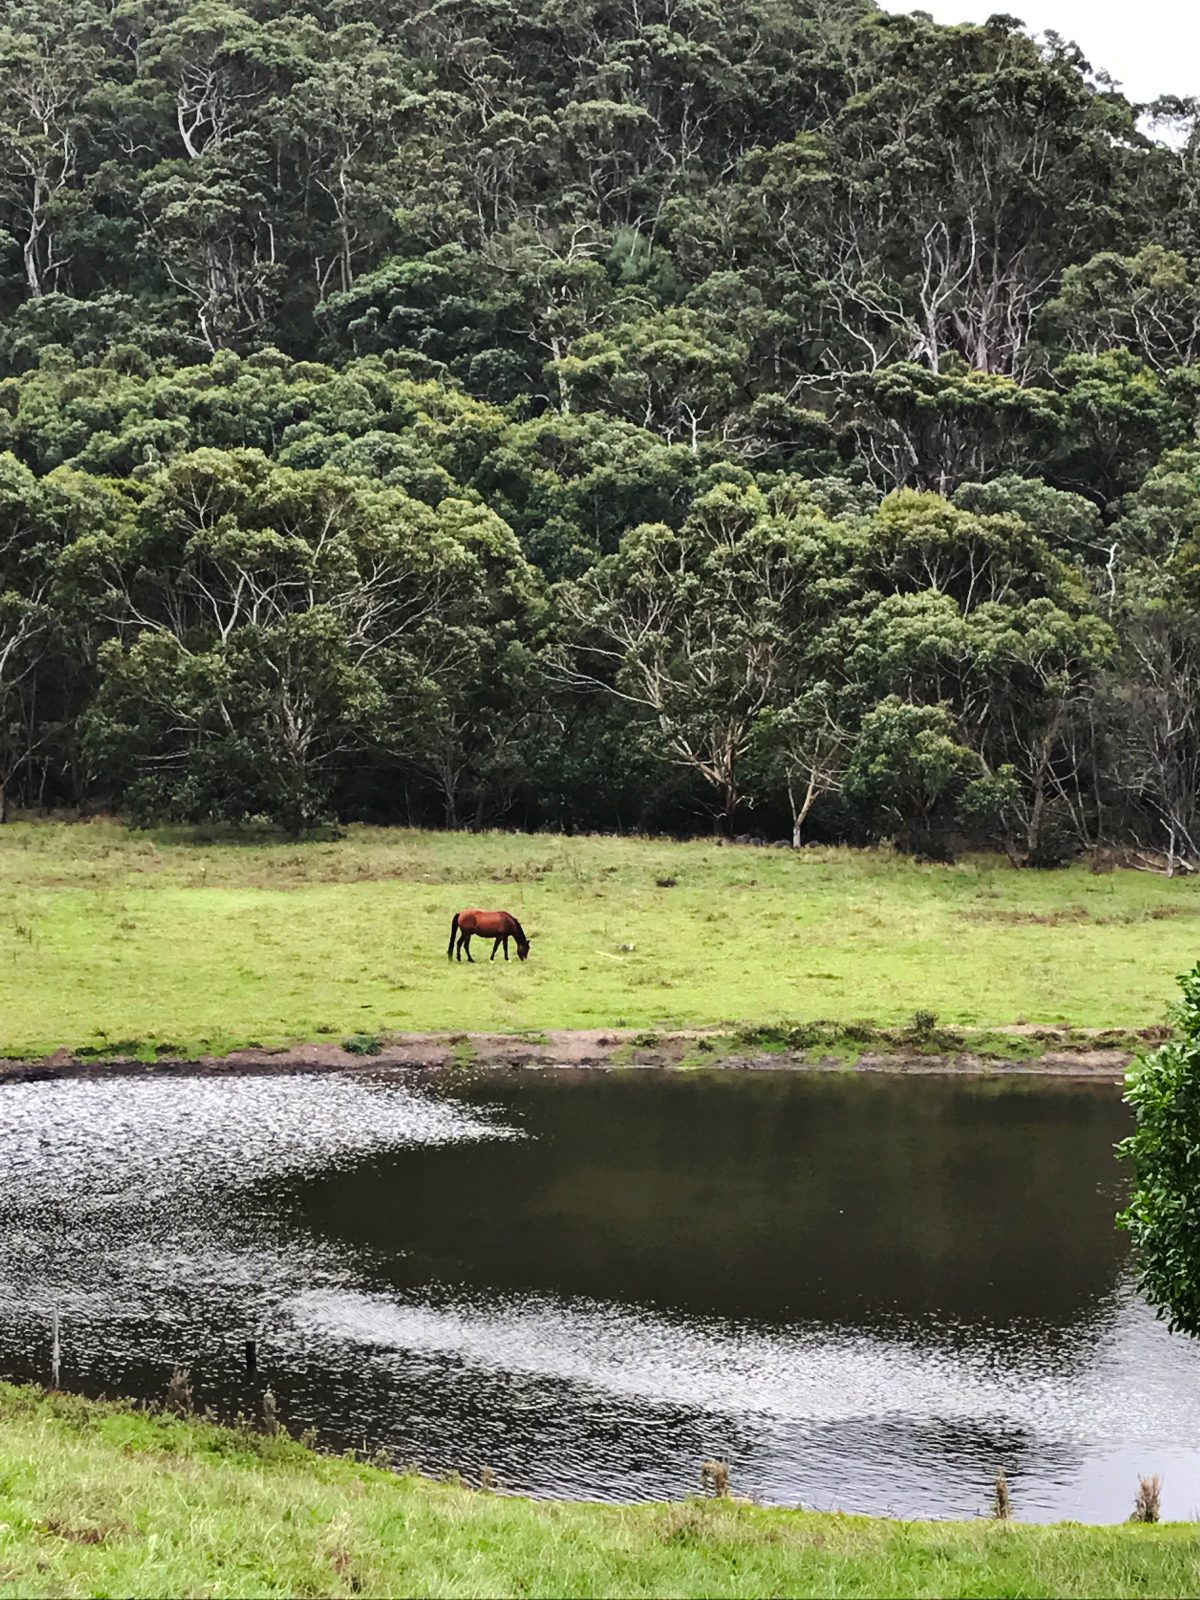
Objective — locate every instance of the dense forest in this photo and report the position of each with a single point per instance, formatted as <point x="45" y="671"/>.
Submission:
<point x="598" y="414"/>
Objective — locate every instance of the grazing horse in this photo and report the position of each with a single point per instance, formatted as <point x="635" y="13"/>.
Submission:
<point x="498" y="925"/>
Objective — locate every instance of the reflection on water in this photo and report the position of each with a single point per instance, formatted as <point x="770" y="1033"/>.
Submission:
<point x="863" y="1293"/>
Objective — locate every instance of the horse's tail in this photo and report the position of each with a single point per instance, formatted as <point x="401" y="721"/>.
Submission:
<point x="453" y="933"/>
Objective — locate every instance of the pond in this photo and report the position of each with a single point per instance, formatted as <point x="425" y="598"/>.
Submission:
<point x="863" y="1293"/>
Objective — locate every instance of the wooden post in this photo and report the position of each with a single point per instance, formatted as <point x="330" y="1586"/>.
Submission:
<point x="251" y="1357"/>
<point x="55" y="1353"/>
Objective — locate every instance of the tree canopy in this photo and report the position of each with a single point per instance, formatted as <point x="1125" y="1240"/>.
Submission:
<point x="598" y="414"/>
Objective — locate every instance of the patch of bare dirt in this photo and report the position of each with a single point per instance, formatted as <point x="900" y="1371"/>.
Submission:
<point x="1086" y="1054"/>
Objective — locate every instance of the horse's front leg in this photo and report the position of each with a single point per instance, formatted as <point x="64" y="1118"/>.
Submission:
<point x="495" y="947"/>
<point x="506" y="947"/>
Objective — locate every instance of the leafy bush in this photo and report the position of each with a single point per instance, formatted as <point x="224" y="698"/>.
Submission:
<point x="1163" y="1214"/>
<point x="923" y="1024"/>
<point x="362" y="1044"/>
<point x="905" y="773"/>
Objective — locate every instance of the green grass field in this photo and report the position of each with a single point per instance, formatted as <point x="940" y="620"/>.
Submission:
<point x="114" y="940"/>
<point x="95" y="1500"/>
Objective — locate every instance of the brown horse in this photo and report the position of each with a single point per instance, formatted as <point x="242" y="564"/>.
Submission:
<point x="498" y="925"/>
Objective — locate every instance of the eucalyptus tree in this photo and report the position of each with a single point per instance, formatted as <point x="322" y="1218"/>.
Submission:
<point x="907" y="771"/>
<point x="977" y="614"/>
<point x="572" y="484"/>
<point x="803" y="747"/>
<point x="1153" y="707"/>
<point x="1153" y="690"/>
<point x="50" y="53"/>
<point x="26" y="617"/>
<point x="672" y="371"/>
<point x="986" y="164"/>
<point x="269" y="623"/>
<point x="47" y="651"/>
<point x="923" y="429"/>
<point x="340" y="125"/>
<point x="702" y="630"/>
<point x="1147" y="303"/>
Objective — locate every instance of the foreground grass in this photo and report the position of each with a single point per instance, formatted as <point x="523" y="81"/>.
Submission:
<point x="96" y="1500"/>
<point x="114" y="940"/>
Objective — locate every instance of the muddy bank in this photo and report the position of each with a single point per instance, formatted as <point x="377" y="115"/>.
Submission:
<point x="1017" y="1051"/>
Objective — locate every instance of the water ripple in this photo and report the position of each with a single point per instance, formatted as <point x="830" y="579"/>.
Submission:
<point x="161" y="1217"/>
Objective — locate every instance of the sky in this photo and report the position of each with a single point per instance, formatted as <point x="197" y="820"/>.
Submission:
<point x="1150" y="47"/>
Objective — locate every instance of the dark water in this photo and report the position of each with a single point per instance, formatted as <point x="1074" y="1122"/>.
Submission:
<point x="862" y="1293"/>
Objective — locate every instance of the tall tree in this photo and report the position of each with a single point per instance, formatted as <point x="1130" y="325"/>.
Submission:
<point x="703" y="630"/>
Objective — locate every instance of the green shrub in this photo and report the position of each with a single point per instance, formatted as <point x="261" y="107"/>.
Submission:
<point x="362" y="1044"/>
<point x="1161" y="1218"/>
<point x="923" y="1024"/>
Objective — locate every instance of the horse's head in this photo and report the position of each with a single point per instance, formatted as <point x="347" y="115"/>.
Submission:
<point x="523" y="948"/>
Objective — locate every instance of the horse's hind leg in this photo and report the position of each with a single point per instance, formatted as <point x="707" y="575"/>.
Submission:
<point x="466" y="944"/>
<point x="495" y="947"/>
